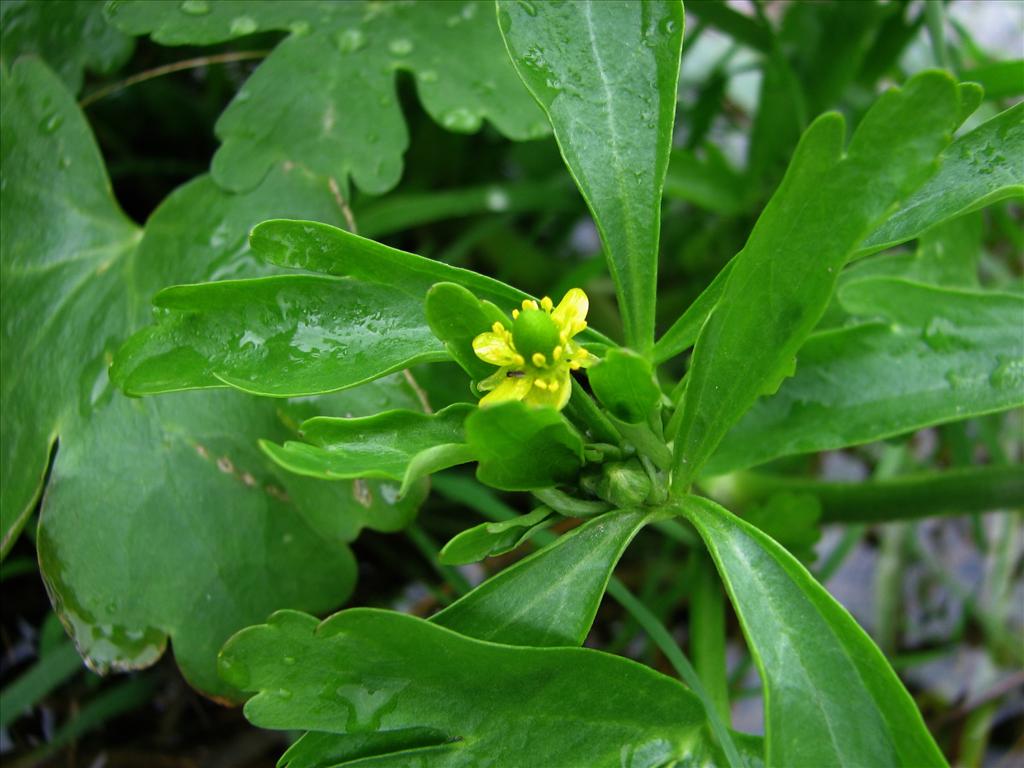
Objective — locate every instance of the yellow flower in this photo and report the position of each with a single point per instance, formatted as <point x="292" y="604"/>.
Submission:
<point x="536" y="355"/>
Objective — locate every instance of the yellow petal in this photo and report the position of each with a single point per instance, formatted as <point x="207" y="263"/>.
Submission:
<point x="578" y="357"/>
<point x="494" y="349"/>
<point x="494" y="380"/>
<point x="555" y="396"/>
<point x="571" y="313"/>
<point x="510" y="389"/>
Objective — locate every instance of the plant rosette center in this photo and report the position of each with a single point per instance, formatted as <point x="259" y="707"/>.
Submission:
<point x="536" y="355"/>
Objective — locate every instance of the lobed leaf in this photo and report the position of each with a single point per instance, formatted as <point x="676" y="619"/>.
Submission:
<point x="933" y="355"/>
<point x="781" y="282"/>
<point x="979" y="168"/>
<point x="208" y="536"/>
<point x="52" y="278"/>
<point x="831" y="698"/>
<point x="346" y="120"/>
<point x="366" y="670"/>
<point x="280" y="336"/>
<point x="381" y="446"/>
<point x="975" y="176"/>
<point x="71" y="36"/>
<point x="576" y="58"/>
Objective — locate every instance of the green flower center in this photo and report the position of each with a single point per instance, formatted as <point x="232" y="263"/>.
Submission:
<point x="534" y="332"/>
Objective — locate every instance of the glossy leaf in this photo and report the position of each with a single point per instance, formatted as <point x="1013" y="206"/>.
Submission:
<point x="1000" y="79"/>
<point x="487" y="539"/>
<point x="937" y="355"/>
<point x="346" y="120"/>
<point x="978" y="169"/>
<point x="380" y="446"/>
<point x="71" y="36"/>
<point x="434" y="459"/>
<point x="971" y="183"/>
<point x="520" y="448"/>
<point x="366" y="670"/>
<point x="52" y="367"/>
<point x="204" y="540"/>
<point x="317" y="247"/>
<point x="207" y="525"/>
<point x="280" y="336"/>
<point x="624" y="383"/>
<point x="781" y="283"/>
<point x="549" y="598"/>
<point x="457" y="317"/>
<point x="615" y="140"/>
<point x="831" y="698"/>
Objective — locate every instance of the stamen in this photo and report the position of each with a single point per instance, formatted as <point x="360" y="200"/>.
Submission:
<point x="519" y="360"/>
<point x="498" y="328"/>
<point x="529" y="304"/>
<point x="574" y="365"/>
<point x="540" y="383"/>
<point x="556" y="354"/>
<point x="515" y="314"/>
<point x="547" y="304"/>
<point x="539" y="360"/>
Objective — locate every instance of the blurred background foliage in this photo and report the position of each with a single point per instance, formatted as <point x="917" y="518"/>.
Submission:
<point x="943" y="597"/>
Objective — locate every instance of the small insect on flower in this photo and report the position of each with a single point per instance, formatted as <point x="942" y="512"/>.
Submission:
<point x="535" y="356"/>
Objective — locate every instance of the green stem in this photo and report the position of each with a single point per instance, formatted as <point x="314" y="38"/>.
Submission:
<point x="567" y="505"/>
<point x="660" y="636"/>
<point x="584" y="411"/>
<point x="707" y="638"/>
<point x="954" y="492"/>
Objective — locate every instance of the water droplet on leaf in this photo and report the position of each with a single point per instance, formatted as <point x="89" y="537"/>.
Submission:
<point x="461" y="120"/>
<point x="243" y="25"/>
<point x="195" y="7"/>
<point x="350" y="40"/>
<point x="400" y="46"/>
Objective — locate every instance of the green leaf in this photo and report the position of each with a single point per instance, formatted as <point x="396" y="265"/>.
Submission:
<point x="346" y="120"/>
<point x="781" y="282"/>
<point x="615" y="140"/>
<point x="978" y="169"/>
<point x="380" y="446"/>
<point x="831" y="698"/>
<point x="520" y="448"/>
<point x="53" y="278"/>
<point x="317" y="247"/>
<point x="624" y="383"/>
<point x="280" y="336"/>
<point x="549" y="598"/>
<point x="434" y="459"/>
<point x="322" y="248"/>
<point x="456" y="317"/>
<point x="487" y="539"/>
<point x="791" y="519"/>
<point x="366" y="670"/>
<point x="938" y="355"/>
<point x="205" y="539"/>
<point x="971" y="182"/>
<point x="1000" y="79"/>
<point x="70" y="36"/>
<point x="208" y="536"/>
